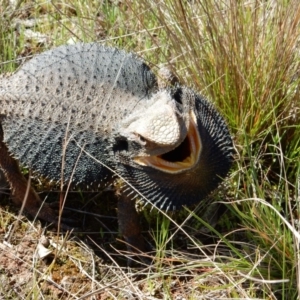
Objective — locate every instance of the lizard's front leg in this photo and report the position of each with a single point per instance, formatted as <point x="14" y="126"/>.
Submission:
<point x="129" y="225"/>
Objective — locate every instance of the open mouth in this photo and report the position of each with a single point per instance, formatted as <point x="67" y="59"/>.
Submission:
<point x="182" y="158"/>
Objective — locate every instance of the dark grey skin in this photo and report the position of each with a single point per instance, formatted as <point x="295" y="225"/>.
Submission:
<point x="69" y="114"/>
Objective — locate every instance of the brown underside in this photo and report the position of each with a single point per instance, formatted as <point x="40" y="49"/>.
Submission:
<point x="19" y="188"/>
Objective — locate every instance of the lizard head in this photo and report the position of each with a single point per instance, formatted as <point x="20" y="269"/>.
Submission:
<point x="187" y="170"/>
<point x="164" y="135"/>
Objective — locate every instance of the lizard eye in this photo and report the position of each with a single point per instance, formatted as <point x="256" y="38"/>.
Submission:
<point x="120" y="145"/>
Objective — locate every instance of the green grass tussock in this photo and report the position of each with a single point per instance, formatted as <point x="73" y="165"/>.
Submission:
<point x="244" y="56"/>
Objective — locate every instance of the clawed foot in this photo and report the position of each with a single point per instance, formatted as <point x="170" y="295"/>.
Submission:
<point x="50" y="213"/>
<point x="138" y="249"/>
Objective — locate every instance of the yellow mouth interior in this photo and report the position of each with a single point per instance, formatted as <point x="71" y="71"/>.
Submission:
<point x="183" y="157"/>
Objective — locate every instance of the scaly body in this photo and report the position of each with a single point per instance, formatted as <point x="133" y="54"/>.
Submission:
<point x="85" y="112"/>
